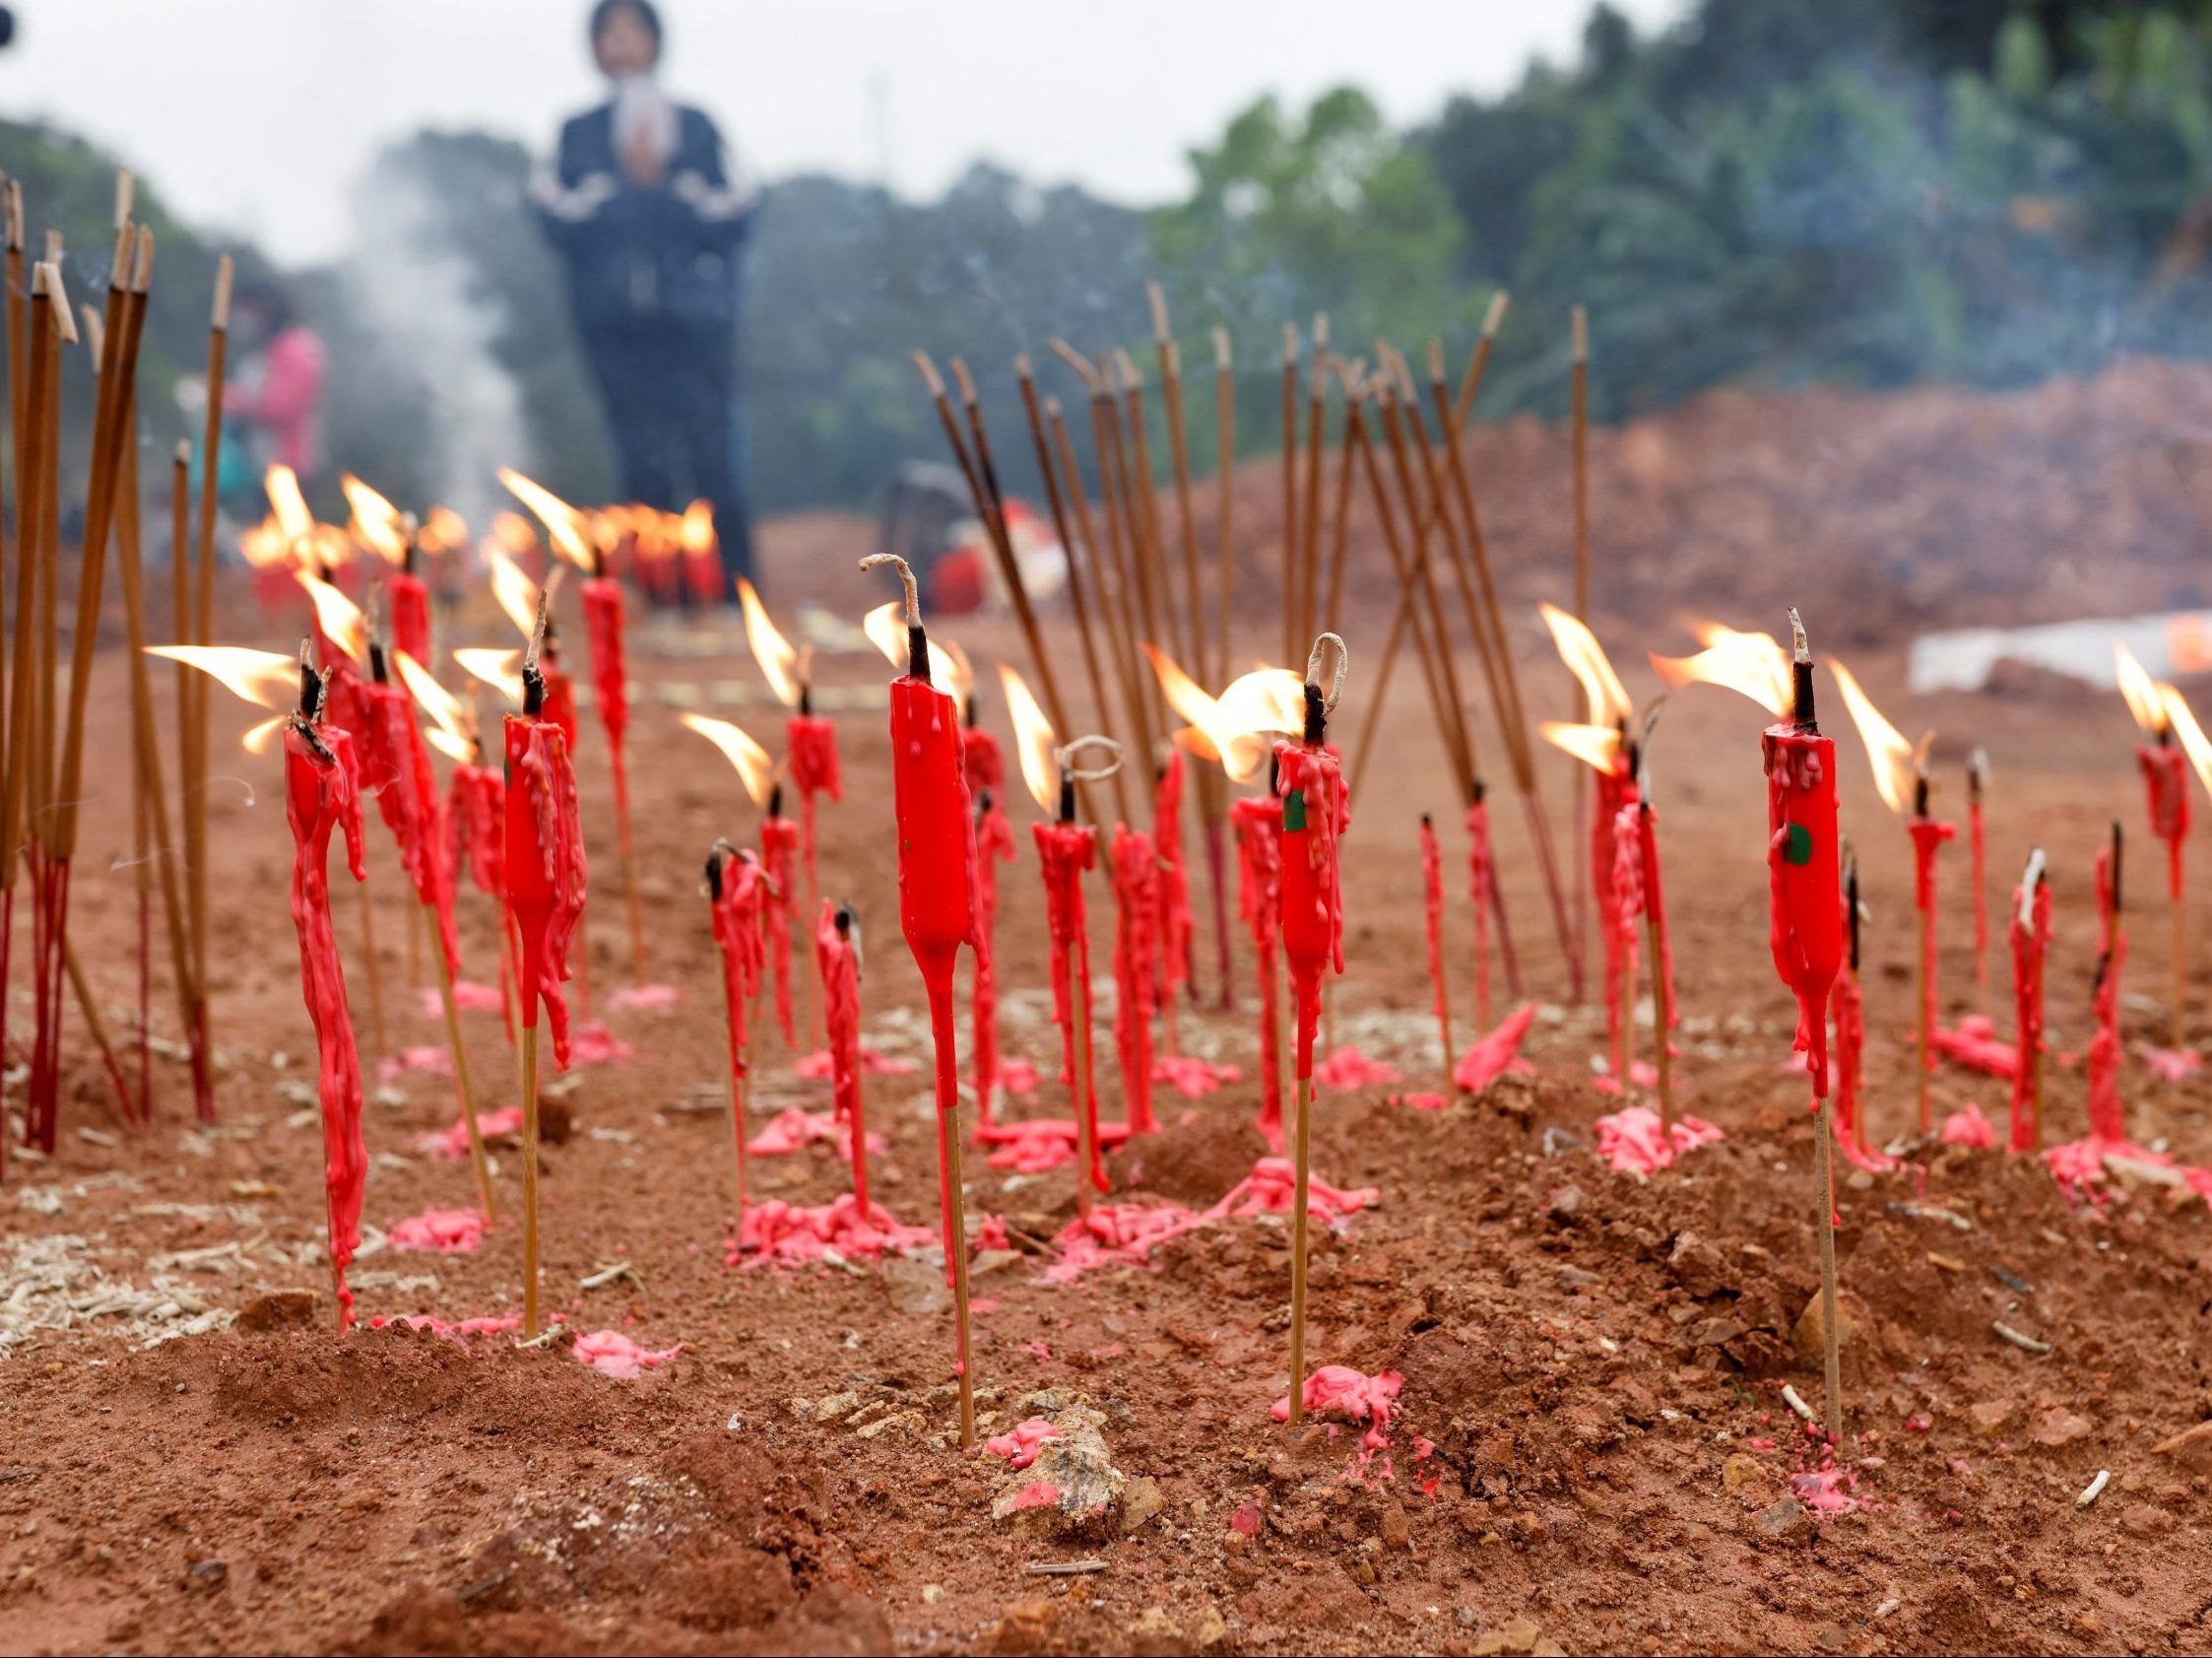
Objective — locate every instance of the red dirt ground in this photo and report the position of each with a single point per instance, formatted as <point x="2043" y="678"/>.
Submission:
<point x="1597" y="1359"/>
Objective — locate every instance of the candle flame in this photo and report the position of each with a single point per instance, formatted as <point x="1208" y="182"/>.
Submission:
<point x="885" y="626"/>
<point x="512" y="533"/>
<point x="755" y="768"/>
<point x="265" y="678"/>
<point x="338" y="616"/>
<point x="501" y="670"/>
<point x="777" y="657"/>
<point x="258" y="736"/>
<point x="443" y="531"/>
<point x="695" y="531"/>
<point x="1598" y="745"/>
<point x="1896" y="762"/>
<point x="1238" y="727"/>
<point x="1754" y="664"/>
<point x="1607" y="702"/>
<point x="2191" y="734"/>
<point x="565" y="525"/>
<point x="453" y="734"/>
<point x="265" y="543"/>
<point x="281" y="485"/>
<point x="376" y="521"/>
<point x="1033" y="741"/>
<point x="516" y="592"/>
<point x="2146" y="698"/>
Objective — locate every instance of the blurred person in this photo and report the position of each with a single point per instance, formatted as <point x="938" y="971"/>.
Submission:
<point x="273" y="400"/>
<point x="643" y="205"/>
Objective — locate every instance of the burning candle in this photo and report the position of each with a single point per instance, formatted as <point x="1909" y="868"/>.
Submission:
<point x="993" y="842"/>
<point x="937" y="883"/>
<point x="543" y="862"/>
<point x="1258" y="821"/>
<point x="2030" y="937"/>
<point x="1432" y="910"/>
<point x="389" y="533"/>
<point x="1316" y="815"/>
<point x="737" y="896"/>
<point x="1850" y="1033"/>
<point x="1172" y="902"/>
<point x="1977" y="783"/>
<point x="2108" y="1122"/>
<point x="1136" y="877"/>
<point x="1667" y="1006"/>
<point x="837" y="959"/>
<point x="2160" y="710"/>
<point x="1901" y="775"/>
<point x="779" y="851"/>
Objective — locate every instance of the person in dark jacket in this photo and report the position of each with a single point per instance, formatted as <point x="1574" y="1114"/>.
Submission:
<point x="645" y="208"/>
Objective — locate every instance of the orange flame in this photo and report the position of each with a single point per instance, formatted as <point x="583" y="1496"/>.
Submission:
<point x="454" y="733"/>
<point x="1238" y="727"/>
<point x="376" y="521"/>
<point x="2191" y="734"/>
<point x="265" y="543"/>
<point x="755" y="768"/>
<point x="695" y="531"/>
<point x="516" y="592"/>
<point x="775" y="654"/>
<point x="291" y="506"/>
<point x="266" y="678"/>
<point x="513" y="533"/>
<point x="443" y="531"/>
<point x="1607" y="702"/>
<point x="2146" y="698"/>
<point x="339" y="616"/>
<point x="1033" y="741"/>
<point x="565" y="525"/>
<point x="1754" y="664"/>
<point x="1896" y="762"/>
<point x="1598" y="745"/>
<point x="501" y="670"/>
<point x="885" y="627"/>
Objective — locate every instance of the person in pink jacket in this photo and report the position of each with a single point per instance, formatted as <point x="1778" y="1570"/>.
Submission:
<point x="274" y="399"/>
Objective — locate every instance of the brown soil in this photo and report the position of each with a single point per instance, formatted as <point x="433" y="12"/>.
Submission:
<point x="1597" y="1360"/>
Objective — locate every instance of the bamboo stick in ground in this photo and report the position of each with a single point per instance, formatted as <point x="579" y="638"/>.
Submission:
<point x="1178" y="436"/>
<point x="1140" y="601"/>
<point x="1479" y="361"/>
<point x="1309" y="518"/>
<point x="1142" y="508"/>
<point x="1577" y="425"/>
<point x="18" y="362"/>
<point x="1111" y="548"/>
<point x="1109" y="603"/>
<point x="1224" y="497"/>
<point x="1289" y="493"/>
<point x="196" y="787"/>
<point x="1332" y="617"/>
<point x="39" y="371"/>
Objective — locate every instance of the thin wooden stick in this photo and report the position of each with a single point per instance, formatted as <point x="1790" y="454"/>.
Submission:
<point x="1478" y="362"/>
<point x="30" y="534"/>
<point x="1662" y="988"/>
<point x="1824" y="1190"/>
<point x="1289" y="496"/>
<point x="1178" y="436"/>
<point x="1333" y="616"/>
<point x="1308" y="523"/>
<point x="1225" y="497"/>
<point x="1082" y="1108"/>
<point x="373" y="973"/>
<point x="1579" y="428"/>
<point x="1301" y="1183"/>
<point x="196" y="802"/>
<point x="95" y="1026"/>
<point x="461" y="1066"/>
<point x="530" y="1182"/>
<point x="1141" y="507"/>
<point x="1109" y="604"/>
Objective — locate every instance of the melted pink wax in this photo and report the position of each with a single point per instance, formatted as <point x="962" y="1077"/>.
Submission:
<point x="1022" y="1444"/>
<point x="1432" y="913"/>
<point x="545" y="866"/>
<point x="794" y="1129"/>
<point x="1038" y="1493"/>
<point x="1805" y="932"/>
<point x="993" y="846"/>
<point x="443" y="1231"/>
<point x="1630" y="1139"/>
<point x="1063" y="853"/>
<point x="1018" y="1076"/>
<point x="1825" y="1490"/>
<point x="1928" y="838"/>
<point x="396" y="768"/>
<point x="452" y="1144"/>
<point x="1974" y="1043"/>
<point x="613" y="1354"/>
<point x="1418" y="1101"/>
<point x="475" y="825"/>
<point x="1340" y="1390"/>
<point x="469" y="996"/>
<point x="1313" y="894"/>
<point x="645" y="998"/>
<point x="1040" y="1145"/>
<point x="1495" y="1054"/>
<point x="1258" y="830"/>
<point x="821" y="1066"/>
<point x="1117" y="1234"/>
<point x="1969" y="1127"/>
<point x="838" y="961"/>
<point x="810" y="763"/>
<point x="1348" y="1068"/>
<point x="321" y="796"/>
<point x="1616" y="914"/>
<point x="1171" y="897"/>
<point x="1132" y="868"/>
<point x="595" y="1044"/>
<point x="436" y="1061"/>
<point x="1271" y="1189"/>
<point x="1193" y="1078"/>
<point x="1850" y="1046"/>
<point x="2171" y="1065"/>
<point x="2031" y="948"/>
<point x="776" y="1233"/>
<point x="1482" y="879"/>
<point x="455" y="1330"/>
<point x="779" y="853"/>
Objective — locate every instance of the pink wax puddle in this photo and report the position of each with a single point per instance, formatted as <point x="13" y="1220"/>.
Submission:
<point x="1348" y="1068"/>
<point x="1825" y="1490"/>
<point x="1417" y="1102"/>
<point x="777" y="1233"/>
<point x="613" y="1354"/>
<point x="1019" y="1078"/>
<point x="1117" y="1234"/>
<point x="1974" y="1043"/>
<point x="1194" y="1078"/>
<point x="2171" y="1065"/>
<point x="453" y="1142"/>
<point x="444" y="1231"/>
<point x="454" y="1331"/>
<point x="1969" y="1127"/>
<point x="1630" y="1139"/>
<point x="2079" y="1165"/>
<point x="1039" y="1145"/>
<point x="595" y="1044"/>
<point x="1641" y="1073"/>
<point x="437" y="1061"/>
<point x="1796" y="1065"/>
<point x="645" y="998"/>
<point x="467" y="997"/>
<point x="815" y="1066"/>
<point x="1020" y="1447"/>
<point x="794" y="1129"/>
<point x="2199" y="1182"/>
<point x="1272" y="1188"/>
<point x="1338" y="1390"/>
<point x="1037" y="1494"/>
<point x="1495" y="1054"/>
<point x="988" y="1231"/>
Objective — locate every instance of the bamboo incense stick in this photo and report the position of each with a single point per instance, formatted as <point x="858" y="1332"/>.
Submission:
<point x="529" y="1273"/>
<point x="1171" y="397"/>
<point x="1309" y="521"/>
<point x="1577" y="426"/>
<point x="1140" y="506"/>
<point x="1289" y="494"/>
<point x="196" y="799"/>
<point x="1109" y="605"/>
<point x="1332" y="613"/>
<point x="1478" y="362"/>
<point x="1224" y="497"/>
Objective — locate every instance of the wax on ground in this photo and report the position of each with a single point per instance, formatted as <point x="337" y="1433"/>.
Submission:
<point x="815" y="1066"/>
<point x="1340" y="1390"/>
<point x="1495" y="1054"/>
<point x="1630" y="1139"/>
<point x="1969" y="1127"/>
<point x="1974" y="1043"/>
<point x="1039" y="1145"/>
<point x="445" y="1232"/>
<point x="2171" y="1065"/>
<point x="1194" y="1078"/>
<point x="595" y="1044"/>
<point x="467" y="997"/>
<point x="1826" y="1490"/>
<point x="1418" y="1101"/>
<point x="794" y="1129"/>
<point x="777" y="1233"/>
<point x="1020" y="1445"/>
<point x="1117" y="1235"/>
<point x="453" y="1143"/>
<point x="1272" y="1188"/>
<point x="1018" y="1076"/>
<point x="438" y="1062"/>
<point x="1348" y="1068"/>
<point x="649" y="998"/>
<point x="453" y="1330"/>
<point x="613" y="1354"/>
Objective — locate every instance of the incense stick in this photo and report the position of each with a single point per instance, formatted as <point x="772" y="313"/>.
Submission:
<point x="1226" y="496"/>
<point x="1171" y="396"/>
<point x="1109" y="602"/>
<point x="196" y="797"/>
<point x="1309" y="524"/>
<point x="1289" y="489"/>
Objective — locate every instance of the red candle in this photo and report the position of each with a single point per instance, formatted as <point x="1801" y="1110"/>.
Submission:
<point x="2107" y="1120"/>
<point x="837" y="959"/>
<point x="2167" y="784"/>
<point x="1135" y="874"/>
<point x="543" y="857"/>
<point x="1482" y="886"/>
<point x="1977" y="777"/>
<point x="1173" y="877"/>
<point x="1064" y="850"/>
<point x="994" y="843"/>
<point x="2030" y="937"/>
<point x="559" y="704"/>
<point x="320" y="795"/>
<point x="937" y="888"/>
<point x="397" y="764"/>
<point x="779" y="852"/>
<point x="474" y="817"/>
<point x="1655" y="906"/>
<point x="1850" y="1038"/>
<point x="811" y="742"/>
<point x="1621" y="925"/>
<point x="1258" y="821"/>
<point x="1432" y="906"/>
<point x="1928" y="836"/>
<point x="1805" y="928"/>
<point x="1616" y="787"/>
<point x="407" y="613"/>
<point x="738" y="891"/>
<point x="1316" y="813"/>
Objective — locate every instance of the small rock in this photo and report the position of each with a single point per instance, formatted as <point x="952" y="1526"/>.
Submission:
<point x="1812" y="1327"/>
<point x="1141" y="1500"/>
<point x="1211" y="1631"/>
<point x="207" y="1574"/>
<point x="1697" y="1266"/>
<point x="279" y="1309"/>
<point x="1574" y="1278"/>
<point x="1566" y="1203"/>
<point x="1154" y="1632"/>
<point x="2191" y="1449"/>
<point x="1025" y="1625"/>
<point x="1520" y="1635"/>
<point x="1989" y="1416"/>
<point x="1745" y="1470"/>
<point x="1784" y="1519"/>
<point x="2055" y="1427"/>
<point x="1397" y="1531"/>
<point x="910" y="1423"/>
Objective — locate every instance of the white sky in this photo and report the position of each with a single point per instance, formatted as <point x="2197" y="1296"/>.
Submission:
<point x="257" y="115"/>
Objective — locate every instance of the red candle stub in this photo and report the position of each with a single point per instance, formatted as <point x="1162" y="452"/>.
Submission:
<point x="1316" y="813"/>
<point x="320" y="796"/>
<point x="779" y="854"/>
<point x="811" y="742"/>
<point x="2030" y="937"/>
<point x="1655" y="906"/>
<point x="1172" y="876"/>
<point x="1063" y="853"/>
<point x="2167" y="784"/>
<point x="1615" y="788"/>
<point x="545" y="867"/>
<point x="397" y="767"/>
<point x="1259" y="829"/>
<point x="1136" y="876"/>
<point x="1806" y="931"/>
<point x="1432" y="914"/>
<point x="610" y="666"/>
<point x="1482" y="876"/>
<point x="994" y="844"/>
<point x="2107" y="1120"/>
<point x="838" y="958"/>
<point x="407" y="608"/>
<point x="738" y="911"/>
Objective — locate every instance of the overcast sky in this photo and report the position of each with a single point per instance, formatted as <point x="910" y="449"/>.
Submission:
<point x="257" y="115"/>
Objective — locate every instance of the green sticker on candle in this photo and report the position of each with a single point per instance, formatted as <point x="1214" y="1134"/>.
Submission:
<point x="1796" y="846"/>
<point x="1293" y="812"/>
